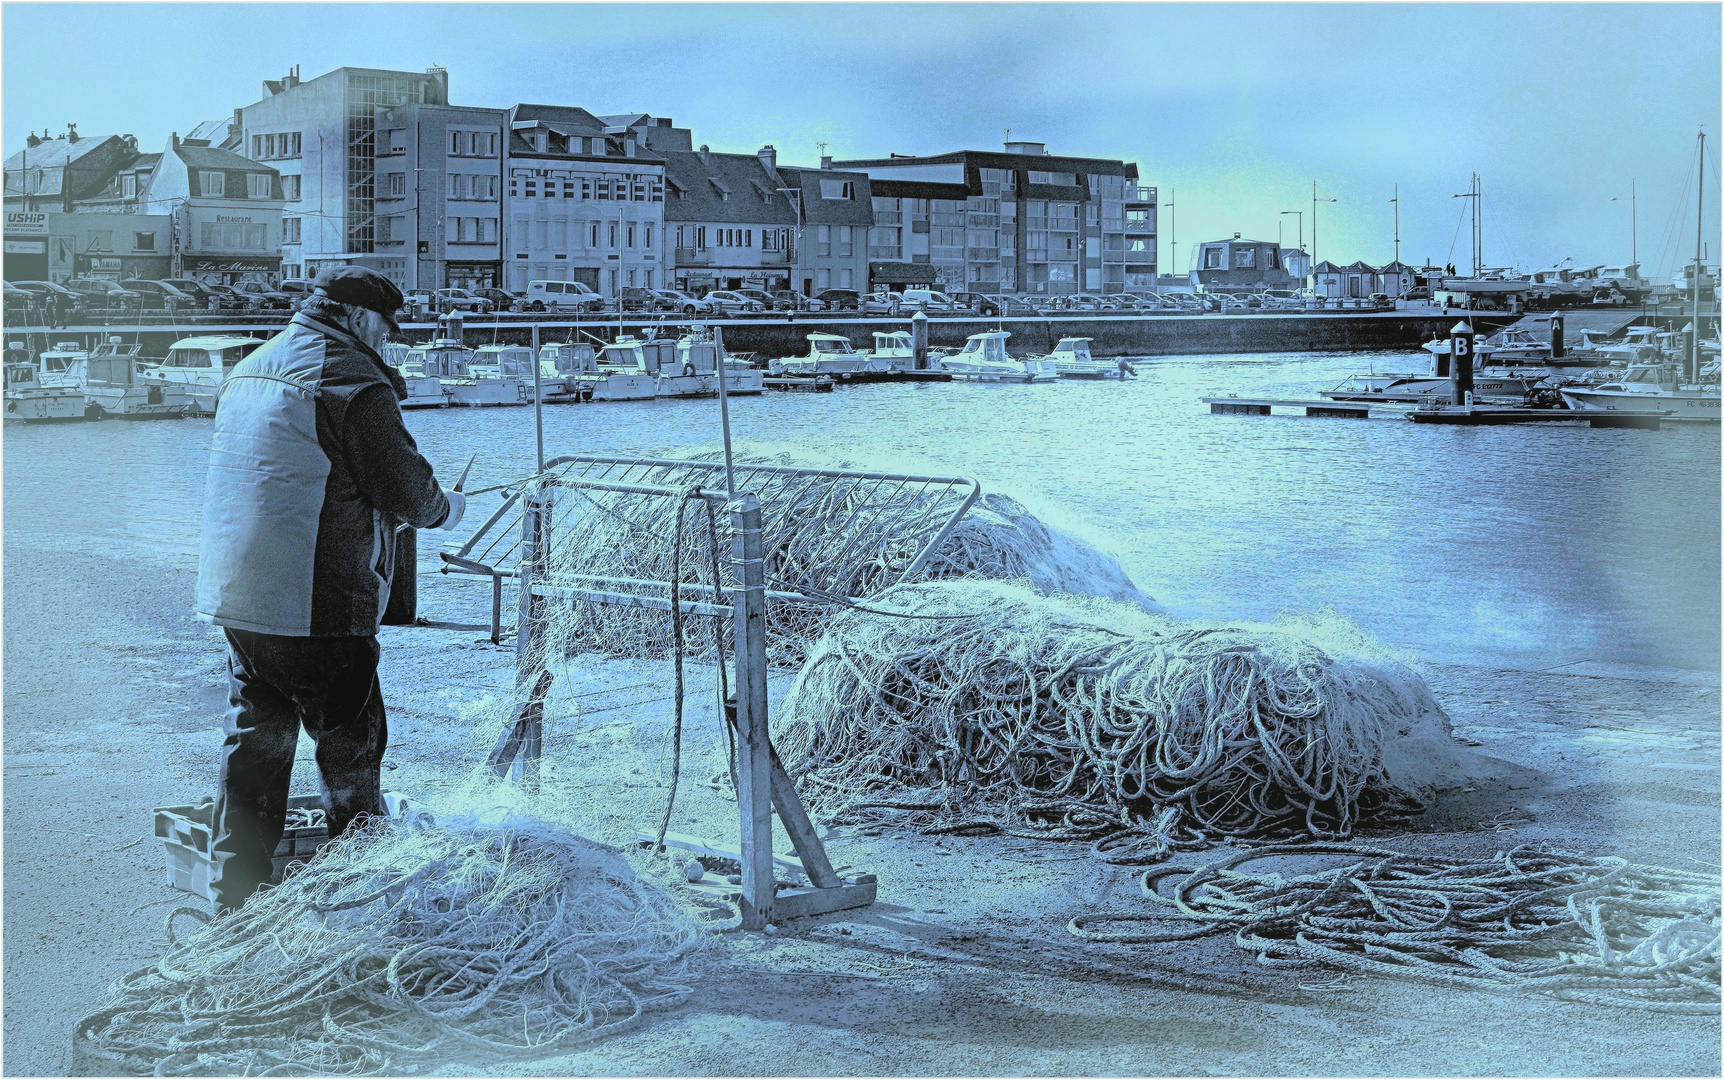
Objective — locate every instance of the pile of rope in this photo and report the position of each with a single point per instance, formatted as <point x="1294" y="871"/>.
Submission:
<point x="826" y="536"/>
<point x="401" y="947"/>
<point x="1589" y="929"/>
<point x="992" y="695"/>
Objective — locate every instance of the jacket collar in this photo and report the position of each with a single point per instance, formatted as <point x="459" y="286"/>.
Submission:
<point x="310" y="321"/>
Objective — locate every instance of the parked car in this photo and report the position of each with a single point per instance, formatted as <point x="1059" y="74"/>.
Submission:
<point x="297" y="288"/>
<point x="562" y="296"/>
<point x="59" y="300"/>
<point x="881" y="303"/>
<point x="728" y="302"/>
<point x="1005" y="304"/>
<point x="159" y="296"/>
<point x="461" y="300"/>
<point x="203" y="297"/>
<point x="791" y="300"/>
<point x="838" y="300"/>
<point x="634" y="298"/>
<point x="976" y="302"/>
<point x="683" y="302"/>
<point x="768" y="301"/>
<point x="102" y="293"/>
<point x="501" y="299"/>
<point x="19" y="301"/>
<point x="930" y="301"/>
<point x="261" y="296"/>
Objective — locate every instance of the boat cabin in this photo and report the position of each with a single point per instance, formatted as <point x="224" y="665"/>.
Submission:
<point x="893" y="343"/>
<point x="697" y="354"/>
<point x="568" y="358"/>
<point x="503" y="362"/>
<point x="1077" y="348"/>
<point x="1647" y="377"/>
<point x="440" y="359"/>
<point x="623" y="354"/>
<point x="61" y="362"/>
<point x="113" y="364"/>
<point x="214" y="352"/>
<point x="826" y="346"/>
<point x="989" y="346"/>
<point x="20" y="369"/>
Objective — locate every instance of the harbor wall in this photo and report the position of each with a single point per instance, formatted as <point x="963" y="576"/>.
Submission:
<point x="1154" y="335"/>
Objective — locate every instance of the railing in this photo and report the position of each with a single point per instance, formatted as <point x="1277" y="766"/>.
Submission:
<point x="946" y="219"/>
<point x="984" y="254"/>
<point x="1139" y="224"/>
<point x="876" y="251"/>
<point x="1142" y="194"/>
<point x="888" y="217"/>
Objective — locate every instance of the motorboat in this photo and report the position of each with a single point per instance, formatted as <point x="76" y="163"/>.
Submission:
<point x="1072" y="359"/>
<point x="984" y="359"/>
<point x="1647" y="389"/>
<point x="1639" y="345"/>
<point x="108" y="379"/>
<point x="698" y="354"/>
<point x="619" y="373"/>
<point x="27" y="399"/>
<point x="1421" y="388"/>
<point x="828" y="354"/>
<point x="560" y="365"/>
<point x="510" y="367"/>
<point x="423" y="391"/>
<point x="450" y="363"/>
<point x="197" y="365"/>
<point x="895" y="351"/>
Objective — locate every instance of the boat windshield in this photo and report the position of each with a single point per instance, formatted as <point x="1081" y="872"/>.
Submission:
<point x="832" y="345"/>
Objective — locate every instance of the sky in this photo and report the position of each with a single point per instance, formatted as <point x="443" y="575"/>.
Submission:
<point x="1231" y="110"/>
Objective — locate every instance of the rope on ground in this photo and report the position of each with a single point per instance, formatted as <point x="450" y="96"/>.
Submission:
<point x="1096" y="713"/>
<point x="402" y="946"/>
<point x="1599" y="930"/>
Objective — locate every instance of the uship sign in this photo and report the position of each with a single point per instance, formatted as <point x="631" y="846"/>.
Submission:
<point x="26" y="223"/>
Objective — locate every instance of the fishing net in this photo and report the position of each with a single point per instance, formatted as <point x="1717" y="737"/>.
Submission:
<point x="1590" y="929"/>
<point x="827" y="536"/>
<point x="400" y="946"/>
<point x="1090" y="716"/>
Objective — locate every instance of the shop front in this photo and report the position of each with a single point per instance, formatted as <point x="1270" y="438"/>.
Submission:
<point x="231" y="269"/>
<point x="472" y="275"/>
<point x="898" y="276"/>
<point x="26" y="245"/>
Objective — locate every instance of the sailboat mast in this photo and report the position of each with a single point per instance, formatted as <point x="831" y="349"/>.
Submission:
<point x="1699" y="263"/>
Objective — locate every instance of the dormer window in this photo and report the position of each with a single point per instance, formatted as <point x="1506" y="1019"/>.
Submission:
<point x="718" y="186"/>
<point x="212" y="183"/>
<point x="129" y="186"/>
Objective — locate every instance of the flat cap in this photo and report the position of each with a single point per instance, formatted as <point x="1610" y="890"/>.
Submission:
<point x="361" y="287"/>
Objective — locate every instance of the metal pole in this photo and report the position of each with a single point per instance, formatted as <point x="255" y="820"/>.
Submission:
<point x="529" y="629"/>
<point x="723" y="409"/>
<point x="1699" y="262"/>
<point x="538" y="401"/>
<point x="753" y="750"/>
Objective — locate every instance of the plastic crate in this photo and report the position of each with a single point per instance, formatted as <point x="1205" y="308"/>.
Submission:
<point x="188" y="834"/>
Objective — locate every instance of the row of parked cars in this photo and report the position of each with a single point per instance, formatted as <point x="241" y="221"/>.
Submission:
<point x="186" y="295"/>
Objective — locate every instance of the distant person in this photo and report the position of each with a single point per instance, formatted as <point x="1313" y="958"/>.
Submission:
<point x="311" y="471"/>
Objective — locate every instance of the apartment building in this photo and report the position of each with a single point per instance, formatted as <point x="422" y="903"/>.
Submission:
<point x="1018" y="221"/>
<point x="835" y="215"/>
<point x="439" y="199"/>
<point x="584" y="198"/>
<point x="731" y="221"/>
<point x="321" y="136"/>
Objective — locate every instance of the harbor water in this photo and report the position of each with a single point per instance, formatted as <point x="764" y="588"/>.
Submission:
<point x="1530" y="547"/>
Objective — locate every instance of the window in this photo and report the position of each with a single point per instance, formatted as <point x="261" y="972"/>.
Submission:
<point x="629" y="240"/>
<point x="292" y="144"/>
<point x="103" y="239"/>
<point x="586" y="189"/>
<point x="254" y="237"/>
<point x="822" y="279"/>
<point x="454" y="142"/>
<point x="257" y="146"/>
<point x="212" y="183"/>
<point x="1212" y="258"/>
<point x="129" y="186"/>
<point x="648" y="238"/>
<point x="825" y="247"/>
<point x="604" y="189"/>
<point x="397" y="184"/>
<point x="290" y="188"/>
<point x="532" y="188"/>
<point x="488" y="190"/>
<point x="748" y="238"/>
<point x="144" y="241"/>
<point x="1245" y="258"/>
<point x="837" y="189"/>
<point x="568" y="189"/>
<point x="640" y="190"/>
<point x="593" y="236"/>
<point x="845" y="245"/>
<point x="514" y="187"/>
<point x="700" y="238"/>
<point x="258" y="186"/>
<point x="612" y="236"/>
<point x="844" y="278"/>
<point x="290" y="230"/>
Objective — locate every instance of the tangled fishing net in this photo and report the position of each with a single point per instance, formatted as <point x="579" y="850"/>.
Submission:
<point x="410" y="944"/>
<point x="1091" y="716"/>
<point x="840" y="537"/>
<point x="1588" y="929"/>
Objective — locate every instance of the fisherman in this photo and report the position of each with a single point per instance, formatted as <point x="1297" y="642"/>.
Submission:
<point x="311" y="474"/>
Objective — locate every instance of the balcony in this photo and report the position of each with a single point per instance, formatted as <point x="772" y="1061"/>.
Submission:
<point x="984" y="254"/>
<point x="1139" y="226"/>
<point x="1140" y="195"/>
<point x="888" y="217"/>
<point x="890" y="254"/>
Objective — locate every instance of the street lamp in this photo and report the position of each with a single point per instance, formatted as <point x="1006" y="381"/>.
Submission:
<point x="1633" y="222"/>
<point x="1314" y="201"/>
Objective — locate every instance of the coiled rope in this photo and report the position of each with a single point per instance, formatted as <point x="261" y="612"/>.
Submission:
<point x="1589" y="929"/>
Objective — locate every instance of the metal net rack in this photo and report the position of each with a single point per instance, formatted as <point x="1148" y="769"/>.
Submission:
<point x="775" y="533"/>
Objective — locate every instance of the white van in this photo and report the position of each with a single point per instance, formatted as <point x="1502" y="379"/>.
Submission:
<point x="926" y="300"/>
<point x="562" y="296"/>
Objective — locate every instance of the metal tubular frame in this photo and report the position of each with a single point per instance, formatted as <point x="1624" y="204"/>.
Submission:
<point x="763" y="785"/>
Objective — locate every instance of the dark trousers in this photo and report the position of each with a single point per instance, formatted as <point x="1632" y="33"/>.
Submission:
<point x="275" y="685"/>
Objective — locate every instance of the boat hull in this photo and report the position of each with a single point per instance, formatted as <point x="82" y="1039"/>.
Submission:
<point x="615" y="387"/>
<point x="44" y="406"/>
<point x="137" y="402"/>
<point x="1680" y="405"/>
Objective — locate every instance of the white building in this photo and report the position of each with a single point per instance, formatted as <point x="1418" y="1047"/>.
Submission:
<point x="225" y="209"/>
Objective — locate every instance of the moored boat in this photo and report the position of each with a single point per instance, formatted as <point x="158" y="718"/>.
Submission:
<point x="423" y="391"/>
<point x="828" y="354"/>
<point x="1072" y="359"/>
<point x="984" y="359"/>
<point x="1647" y="389"/>
<point x="197" y="365"/>
<point x="27" y="399"/>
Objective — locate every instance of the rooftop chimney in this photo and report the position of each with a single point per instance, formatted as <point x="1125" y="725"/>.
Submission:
<point x="768" y="157"/>
<point x="71" y="133"/>
<point x="706" y="155"/>
<point x="33" y="140"/>
<point x="291" y="79"/>
<point x="825" y="161"/>
<point x="174" y="139"/>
